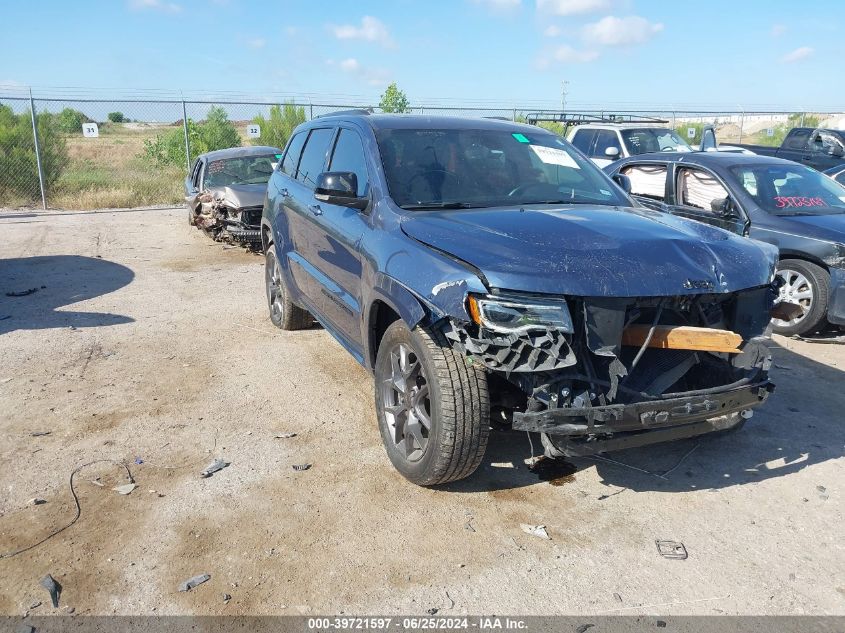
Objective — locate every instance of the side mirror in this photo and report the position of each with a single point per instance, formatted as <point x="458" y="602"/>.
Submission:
<point x="623" y="181"/>
<point x="724" y="207"/>
<point x="611" y="152"/>
<point x="340" y="188"/>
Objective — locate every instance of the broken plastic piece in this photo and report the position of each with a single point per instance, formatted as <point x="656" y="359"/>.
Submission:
<point x="300" y="467"/>
<point x="194" y="582"/>
<point x="283" y="436"/>
<point x="125" y="489"/>
<point x="39" y="433"/>
<point x="55" y="589"/>
<point x="213" y="467"/>
<point x="536" y="530"/>
<point x="37" y="501"/>
<point x="672" y="549"/>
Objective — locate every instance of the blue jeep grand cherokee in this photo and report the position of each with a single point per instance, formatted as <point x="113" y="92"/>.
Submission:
<point x="478" y="264"/>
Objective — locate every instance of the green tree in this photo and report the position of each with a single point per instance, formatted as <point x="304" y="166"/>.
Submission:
<point x="70" y="121"/>
<point x="116" y="117"/>
<point x="276" y="129"/>
<point x="217" y="131"/>
<point x="18" y="164"/>
<point x="393" y="100"/>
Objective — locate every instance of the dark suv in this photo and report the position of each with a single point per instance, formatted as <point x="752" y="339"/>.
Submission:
<point x="472" y="264"/>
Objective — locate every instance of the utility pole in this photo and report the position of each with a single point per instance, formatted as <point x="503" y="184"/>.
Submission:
<point x="563" y="85"/>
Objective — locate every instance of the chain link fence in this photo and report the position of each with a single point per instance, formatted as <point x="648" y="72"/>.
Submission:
<point x="96" y="153"/>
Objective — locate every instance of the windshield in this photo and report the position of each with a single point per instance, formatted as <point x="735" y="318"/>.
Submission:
<point x="465" y="168"/>
<point x="791" y="189"/>
<point x="656" y="139"/>
<point x="248" y="170"/>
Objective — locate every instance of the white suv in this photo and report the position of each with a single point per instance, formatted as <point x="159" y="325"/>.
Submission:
<point x="604" y="143"/>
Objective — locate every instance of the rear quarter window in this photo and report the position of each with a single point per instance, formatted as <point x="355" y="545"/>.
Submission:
<point x="291" y="159"/>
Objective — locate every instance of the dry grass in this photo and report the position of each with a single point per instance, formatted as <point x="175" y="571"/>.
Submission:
<point x="107" y="172"/>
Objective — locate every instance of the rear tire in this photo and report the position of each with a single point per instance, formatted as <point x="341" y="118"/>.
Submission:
<point x="808" y="285"/>
<point x="432" y="405"/>
<point x="284" y="314"/>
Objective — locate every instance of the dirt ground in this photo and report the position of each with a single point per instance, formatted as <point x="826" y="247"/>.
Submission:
<point x="147" y="342"/>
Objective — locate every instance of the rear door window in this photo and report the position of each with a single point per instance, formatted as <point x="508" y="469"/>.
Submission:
<point x="797" y="139"/>
<point x="349" y="156"/>
<point x="647" y="180"/>
<point x="291" y="159"/>
<point x="314" y="156"/>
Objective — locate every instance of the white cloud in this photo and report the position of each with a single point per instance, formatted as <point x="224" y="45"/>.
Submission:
<point x="797" y="55"/>
<point x="565" y="54"/>
<point x="371" y="30"/>
<point x="573" y="7"/>
<point x="499" y="6"/>
<point x="372" y="76"/>
<point x="256" y="42"/>
<point x="778" y="30"/>
<point x="155" y="5"/>
<point x="552" y="31"/>
<point x="613" y="31"/>
<point x="350" y="65"/>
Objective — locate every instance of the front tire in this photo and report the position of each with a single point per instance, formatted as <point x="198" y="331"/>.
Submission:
<point x="284" y="314"/>
<point x="807" y="285"/>
<point x="432" y="405"/>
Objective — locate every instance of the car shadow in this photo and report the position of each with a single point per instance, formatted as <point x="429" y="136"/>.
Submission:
<point x="798" y="427"/>
<point x="50" y="282"/>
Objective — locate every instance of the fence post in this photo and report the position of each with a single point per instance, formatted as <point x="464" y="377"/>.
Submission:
<point x="310" y="111"/>
<point x="37" y="151"/>
<point x="513" y="119"/>
<point x="187" y="142"/>
<point x="741" y="125"/>
<point x="802" y="120"/>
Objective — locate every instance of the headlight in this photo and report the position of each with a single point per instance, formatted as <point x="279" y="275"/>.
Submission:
<point x="517" y="315"/>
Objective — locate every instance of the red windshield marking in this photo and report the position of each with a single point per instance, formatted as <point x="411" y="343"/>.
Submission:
<point x="798" y="201"/>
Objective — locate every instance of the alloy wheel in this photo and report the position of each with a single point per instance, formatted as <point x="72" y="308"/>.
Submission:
<point x="796" y="289"/>
<point x="406" y="401"/>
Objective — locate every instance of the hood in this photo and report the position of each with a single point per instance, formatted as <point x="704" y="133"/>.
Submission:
<point x="595" y="251"/>
<point x="240" y="196"/>
<point x="822" y="227"/>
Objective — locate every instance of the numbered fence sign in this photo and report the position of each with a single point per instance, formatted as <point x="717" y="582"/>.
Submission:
<point x="90" y="130"/>
<point x="253" y="130"/>
<point x="770" y="131"/>
<point x="690" y="132"/>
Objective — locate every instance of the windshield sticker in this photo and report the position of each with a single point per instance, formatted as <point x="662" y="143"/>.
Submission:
<point x="782" y="202"/>
<point x="520" y="137"/>
<point x="552" y="156"/>
<point x="215" y="166"/>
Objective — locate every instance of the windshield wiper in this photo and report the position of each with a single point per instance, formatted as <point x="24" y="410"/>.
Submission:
<point x="561" y="201"/>
<point x="443" y="205"/>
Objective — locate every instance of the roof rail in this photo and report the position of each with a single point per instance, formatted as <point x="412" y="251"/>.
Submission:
<point x="579" y="118"/>
<point x="358" y="111"/>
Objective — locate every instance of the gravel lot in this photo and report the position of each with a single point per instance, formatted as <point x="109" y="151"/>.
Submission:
<point x="149" y="342"/>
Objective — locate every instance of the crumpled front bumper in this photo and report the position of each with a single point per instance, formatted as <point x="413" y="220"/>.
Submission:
<point x="836" y="305"/>
<point x="649" y="421"/>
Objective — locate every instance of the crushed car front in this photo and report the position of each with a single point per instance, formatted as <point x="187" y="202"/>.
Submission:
<point x="601" y="325"/>
<point x="233" y="195"/>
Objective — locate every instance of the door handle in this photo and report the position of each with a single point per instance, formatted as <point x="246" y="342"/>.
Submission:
<point x="315" y="209"/>
<point x="285" y="193"/>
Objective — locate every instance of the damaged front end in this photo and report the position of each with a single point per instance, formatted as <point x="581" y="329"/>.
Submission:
<point x="596" y="374"/>
<point x="223" y="216"/>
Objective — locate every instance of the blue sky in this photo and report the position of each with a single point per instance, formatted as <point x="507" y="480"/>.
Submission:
<point x="649" y="53"/>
